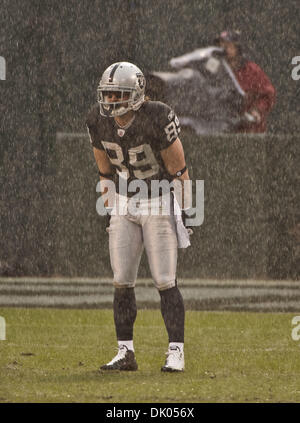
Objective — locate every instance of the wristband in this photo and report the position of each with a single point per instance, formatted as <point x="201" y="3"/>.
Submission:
<point x="109" y="176"/>
<point x="180" y="172"/>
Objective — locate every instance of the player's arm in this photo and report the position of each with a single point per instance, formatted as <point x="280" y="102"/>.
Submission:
<point x="102" y="160"/>
<point x="105" y="170"/>
<point x="173" y="158"/>
<point x="172" y="154"/>
<point x="174" y="161"/>
<point x="103" y="163"/>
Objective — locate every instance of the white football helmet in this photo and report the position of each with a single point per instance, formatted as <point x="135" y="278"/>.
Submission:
<point x="125" y="84"/>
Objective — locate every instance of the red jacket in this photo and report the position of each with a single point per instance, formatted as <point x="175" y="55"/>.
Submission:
<point x="260" y="94"/>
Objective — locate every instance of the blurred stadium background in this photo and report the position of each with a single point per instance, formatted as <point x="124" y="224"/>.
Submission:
<point x="55" y="53"/>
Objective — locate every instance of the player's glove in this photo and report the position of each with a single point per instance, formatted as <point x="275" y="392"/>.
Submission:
<point x="184" y="217"/>
<point x="108" y="217"/>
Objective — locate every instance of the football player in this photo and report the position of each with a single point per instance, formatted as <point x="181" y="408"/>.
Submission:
<point x="137" y="139"/>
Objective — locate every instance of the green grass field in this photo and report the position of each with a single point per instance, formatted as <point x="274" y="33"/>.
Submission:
<point x="53" y="355"/>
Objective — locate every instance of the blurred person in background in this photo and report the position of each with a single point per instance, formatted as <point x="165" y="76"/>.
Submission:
<point x="260" y="93"/>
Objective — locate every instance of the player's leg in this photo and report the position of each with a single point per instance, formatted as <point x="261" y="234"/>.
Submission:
<point x="125" y="246"/>
<point x="172" y="309"/>
<point x="160" y="242"/>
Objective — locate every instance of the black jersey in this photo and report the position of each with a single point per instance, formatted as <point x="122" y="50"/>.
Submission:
<point x="136" y="151"/>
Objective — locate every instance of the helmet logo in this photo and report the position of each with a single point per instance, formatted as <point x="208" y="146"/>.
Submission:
<point x="140" y="80"/>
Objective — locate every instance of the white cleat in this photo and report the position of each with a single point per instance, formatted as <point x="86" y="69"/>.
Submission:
<point x="174" y="361"/>
<point x="124" y="360"/>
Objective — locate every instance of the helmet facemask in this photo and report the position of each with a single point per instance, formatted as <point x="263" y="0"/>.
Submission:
<point x="128" y="99"/>
<point x="117" y="107"/>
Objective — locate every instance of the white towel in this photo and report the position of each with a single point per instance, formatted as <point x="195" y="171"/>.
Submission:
<point x="183" y="236"/>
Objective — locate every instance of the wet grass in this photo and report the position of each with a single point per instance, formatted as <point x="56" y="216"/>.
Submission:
<point x="53" y="355"/>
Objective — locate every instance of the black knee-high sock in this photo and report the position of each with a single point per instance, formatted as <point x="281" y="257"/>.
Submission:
<point x="172" y="310"/>
<point x="124" y="313"/>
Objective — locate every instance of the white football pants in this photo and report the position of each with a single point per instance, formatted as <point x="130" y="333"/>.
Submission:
<point x="129" y="235"/>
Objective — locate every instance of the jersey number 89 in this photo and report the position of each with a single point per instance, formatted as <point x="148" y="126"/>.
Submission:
<point x="148" y="160"/>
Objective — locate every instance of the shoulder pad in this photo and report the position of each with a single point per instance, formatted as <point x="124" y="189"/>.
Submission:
<point x="155" y="107"/>
<point x="93" y="115"/>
